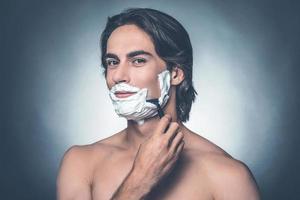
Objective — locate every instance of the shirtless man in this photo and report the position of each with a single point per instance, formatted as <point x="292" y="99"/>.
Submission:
<point x="146" y="55"/>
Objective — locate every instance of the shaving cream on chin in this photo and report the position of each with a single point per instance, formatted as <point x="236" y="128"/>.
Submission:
<point x="135" y="107"/>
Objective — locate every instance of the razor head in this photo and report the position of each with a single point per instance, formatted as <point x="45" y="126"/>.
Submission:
<point x="159" y="109"/>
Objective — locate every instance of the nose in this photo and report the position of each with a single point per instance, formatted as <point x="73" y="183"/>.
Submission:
<point x="121" y="73"/>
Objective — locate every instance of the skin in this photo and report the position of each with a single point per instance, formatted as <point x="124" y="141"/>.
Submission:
<point x="145" y="161"/>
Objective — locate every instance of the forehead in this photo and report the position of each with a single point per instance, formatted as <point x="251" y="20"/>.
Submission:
<point x="128" y="38"/>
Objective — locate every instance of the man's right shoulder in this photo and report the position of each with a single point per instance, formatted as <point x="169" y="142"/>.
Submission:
<point x="81" y="160"/>
<point x="98" y="149"/>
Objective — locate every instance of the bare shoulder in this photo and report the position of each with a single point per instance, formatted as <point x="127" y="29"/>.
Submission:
<point x="84" y="157"/>
<point x="73" y="180"/>
<point x="77" y="166"/>
<point x="228" y="178"/>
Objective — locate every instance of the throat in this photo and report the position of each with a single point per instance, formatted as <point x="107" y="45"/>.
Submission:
<point x="137" y="134"/>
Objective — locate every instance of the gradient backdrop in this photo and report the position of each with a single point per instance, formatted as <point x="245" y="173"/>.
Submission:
<point x="53" y="94"/>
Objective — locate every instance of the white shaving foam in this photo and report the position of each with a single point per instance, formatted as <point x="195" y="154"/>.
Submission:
<point x="135" y="107"/>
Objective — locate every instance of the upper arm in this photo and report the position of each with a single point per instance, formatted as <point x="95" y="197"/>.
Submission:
<point x="235" y="182"/>
<point x="73" y="181"/>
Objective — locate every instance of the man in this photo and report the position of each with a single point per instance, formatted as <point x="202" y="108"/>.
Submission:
<point x="147" y="60"/>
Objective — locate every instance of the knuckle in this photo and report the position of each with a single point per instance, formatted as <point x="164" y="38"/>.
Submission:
<point x="164" y="120"/>
<point x="164" y="142"/>
<point x="174" y="156"/>
<point x="167" y="117"/>
<point x="182" y="144"/>
<point x="175" y="125"/>
<point x="180" y="134"/>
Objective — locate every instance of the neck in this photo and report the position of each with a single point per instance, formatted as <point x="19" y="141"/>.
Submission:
<point x="138" y="133"/>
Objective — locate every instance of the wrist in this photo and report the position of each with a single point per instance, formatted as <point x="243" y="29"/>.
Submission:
<point x="139" y="180"/>
<point x="134" y="187"/>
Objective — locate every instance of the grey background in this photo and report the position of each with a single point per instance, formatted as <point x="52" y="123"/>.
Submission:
<point x="53" y="94"/>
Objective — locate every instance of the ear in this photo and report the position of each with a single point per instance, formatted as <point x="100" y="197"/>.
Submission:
<point x="177" y="76"/>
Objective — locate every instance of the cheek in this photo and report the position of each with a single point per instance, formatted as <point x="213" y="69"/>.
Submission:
<point x="154" y="91"/>
<point x="152" y="84"/>
<point x="148" y="78"/>
<point x="108" y="80"/>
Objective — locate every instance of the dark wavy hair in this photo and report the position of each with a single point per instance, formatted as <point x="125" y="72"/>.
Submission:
<point x="172" y="44"/>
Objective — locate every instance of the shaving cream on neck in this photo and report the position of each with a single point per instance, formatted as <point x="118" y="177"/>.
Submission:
<point x="135" y="107"/>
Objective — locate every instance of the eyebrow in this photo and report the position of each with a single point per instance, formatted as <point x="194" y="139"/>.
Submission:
<point x="129" y="55"/>
<point x="139" y="52"/>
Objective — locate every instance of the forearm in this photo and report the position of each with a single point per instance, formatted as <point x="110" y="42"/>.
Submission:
<point x="155" y="158"/>
<point x="135" y="186"/>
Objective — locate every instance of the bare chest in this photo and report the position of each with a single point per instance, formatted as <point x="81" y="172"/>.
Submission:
<point x="183" y="182"/>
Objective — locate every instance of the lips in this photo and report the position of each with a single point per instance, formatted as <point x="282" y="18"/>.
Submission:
<point x="123" y="90"/>
<point x="123" y="94"/>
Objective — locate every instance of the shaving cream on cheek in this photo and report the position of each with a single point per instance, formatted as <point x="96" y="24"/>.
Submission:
<point x="135" y="107"/>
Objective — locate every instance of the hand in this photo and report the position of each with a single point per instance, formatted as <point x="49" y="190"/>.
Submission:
<point x="157" y="155"/>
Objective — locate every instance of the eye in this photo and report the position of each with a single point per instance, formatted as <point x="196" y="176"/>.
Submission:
<point x="111" y="63"/>
<point x="139" y="61"/>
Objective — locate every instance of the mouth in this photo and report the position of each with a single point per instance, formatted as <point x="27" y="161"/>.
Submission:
<point x="123" y="94"/>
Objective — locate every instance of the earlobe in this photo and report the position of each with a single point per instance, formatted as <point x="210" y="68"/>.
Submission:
<point x="177" y="76"/>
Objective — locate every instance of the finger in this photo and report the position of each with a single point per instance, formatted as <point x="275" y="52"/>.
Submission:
<point x="172" y="131"/>
<point x="178" y="139"/>
<point x="163" y="123"/>
<point x="179" y="148"/>
<point x="178" y="151"/>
